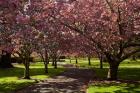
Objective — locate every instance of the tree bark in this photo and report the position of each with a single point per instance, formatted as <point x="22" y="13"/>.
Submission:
<point x="134" y="58"/>
<point x="46" y="67"/>
<point x="54" y="58"/>
<point x="46" y="62"/>
<point x="27" y="70"/>
<point x="55" y="63"/>
<point x="101" y="62"/>
<point x="70" y="60"/>
<point x="113" y="71"/>
<point x="89" y="61"/>
<point x="76" y="61"/>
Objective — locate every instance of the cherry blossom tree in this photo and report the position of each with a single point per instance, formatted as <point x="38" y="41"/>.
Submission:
<point x="41" y="13"/>
<point x="23" y="36"/>
<point x="112" y="26"/>
<point x="41" y="48"/>
<point x="8" y="12"/>
<point x="24" y="47"/>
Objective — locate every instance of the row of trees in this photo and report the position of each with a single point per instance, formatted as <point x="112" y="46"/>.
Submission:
<point x="105" y="28"/>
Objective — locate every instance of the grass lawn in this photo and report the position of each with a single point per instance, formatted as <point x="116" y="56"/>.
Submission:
<point x="128" y="71"/>
<point x="113" y="87"/>
<point x="11" y="79"/>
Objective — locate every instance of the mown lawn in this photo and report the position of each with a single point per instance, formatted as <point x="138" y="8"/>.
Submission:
<point x="11" y="79"/>
<point x="129" y="71"/>
<point x="113" y="87"/>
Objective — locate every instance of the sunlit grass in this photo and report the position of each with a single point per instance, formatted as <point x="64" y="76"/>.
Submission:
<point x="11" y="79"/>
<point x="114" y="88"/>
<point x="8" y="84"/>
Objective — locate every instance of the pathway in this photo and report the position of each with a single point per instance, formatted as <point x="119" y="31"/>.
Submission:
<point x="74" y="80"/>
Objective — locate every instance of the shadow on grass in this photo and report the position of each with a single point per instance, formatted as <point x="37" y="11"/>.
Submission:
<point x="129" y="74"/>
<point x="11" y="72"/>
<point x="19" y="72"/>
<point x="7" y="86"/>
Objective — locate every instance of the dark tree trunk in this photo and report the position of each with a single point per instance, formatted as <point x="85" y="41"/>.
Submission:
<point x="55" y="63"/>
<point x="134" y="58"/>
<point x="46" y="67"/>
<point x="54" y="58"/>
<point x="5" y="60"/>
<point x="101" y="62"/>
<point x="70" y="60"/>
<point x="113" y="71"/>
<point x="46" y="62"/>
<point x="27" y="70"/>
<point x="89" y="61"/>
<point x="76" y="61"/>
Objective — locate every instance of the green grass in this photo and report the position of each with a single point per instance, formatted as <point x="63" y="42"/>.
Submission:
<point x="113" y="88"/>
<point x="128" y="70"/>
<point x="11" y="79"/>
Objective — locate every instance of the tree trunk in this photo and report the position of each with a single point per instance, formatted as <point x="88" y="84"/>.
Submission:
<point x="46" y="62"/>
<point x="70" y="60"/>
<point x="55" y="63"/>
<point x="46" y="67"/>
<point x="101" y="62"/>
<point x="89" y="61"/>
<point x="5" y="60"/>
<point x="27" y="70"/>
<point x="113" y="71"/>
<point x="134" y="58"/>
<point x="76" y="61"/>
<point x="54" y="58"/>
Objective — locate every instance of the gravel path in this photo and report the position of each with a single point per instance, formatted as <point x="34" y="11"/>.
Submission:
<point x="74" y="80"/>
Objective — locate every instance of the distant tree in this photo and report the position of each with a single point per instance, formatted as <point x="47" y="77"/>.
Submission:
<point x="24" y="48"/>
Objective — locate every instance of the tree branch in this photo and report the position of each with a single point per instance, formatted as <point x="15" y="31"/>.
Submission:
<point x="111" y="8"/>
<point x="129" y="54"/>
<point x="131" y="45"/>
